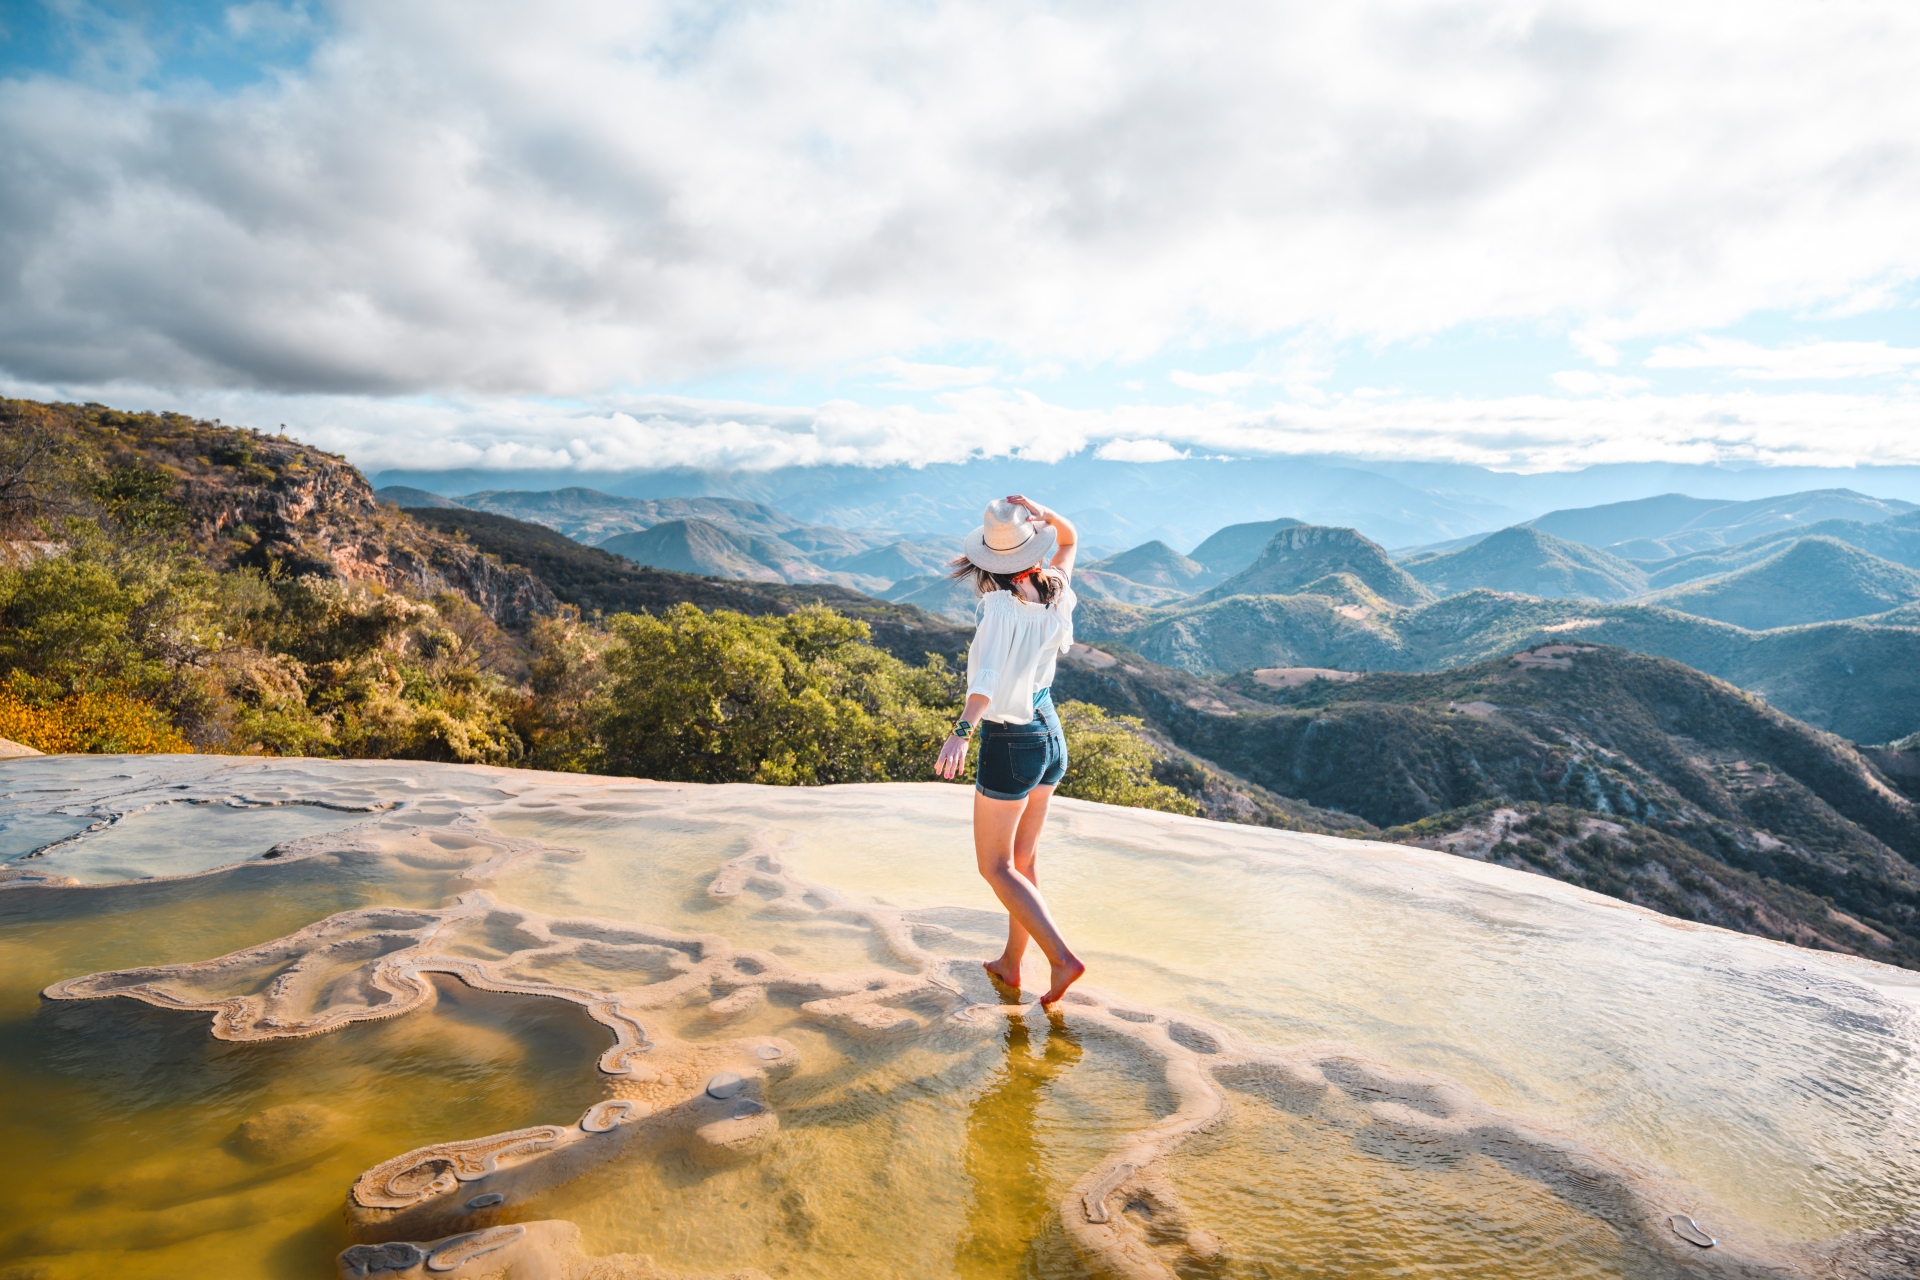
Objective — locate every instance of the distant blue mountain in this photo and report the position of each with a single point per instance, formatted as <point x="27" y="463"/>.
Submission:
<point x="1120" y="504"/>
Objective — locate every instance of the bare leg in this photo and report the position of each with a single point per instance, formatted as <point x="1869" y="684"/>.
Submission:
<point x="1026" y="842"/>
<point x="995" y="826"/>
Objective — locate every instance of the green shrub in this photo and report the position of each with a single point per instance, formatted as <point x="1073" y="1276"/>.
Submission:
<point x="1108" y="761"/>
<point x="796" y="699"/>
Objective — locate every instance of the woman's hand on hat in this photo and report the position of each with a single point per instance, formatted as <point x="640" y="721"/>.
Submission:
<point x="1034" y="509"/>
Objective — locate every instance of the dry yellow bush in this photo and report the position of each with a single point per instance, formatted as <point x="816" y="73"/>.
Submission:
<point x="97" y="723"/>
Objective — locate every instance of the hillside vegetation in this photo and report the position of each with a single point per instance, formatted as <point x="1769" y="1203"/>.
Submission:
<point x="242" y="592"/>
<point x="1860" y="679"/>
<point x="1639" y="742"/>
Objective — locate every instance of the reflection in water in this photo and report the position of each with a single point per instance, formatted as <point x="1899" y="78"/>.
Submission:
<point x="1009" y="1196"/>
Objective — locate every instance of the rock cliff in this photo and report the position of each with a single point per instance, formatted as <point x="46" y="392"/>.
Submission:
<point x="264" y="500"/>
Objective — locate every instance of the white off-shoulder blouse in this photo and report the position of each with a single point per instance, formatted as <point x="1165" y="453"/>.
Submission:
<point x="1015" y="648"/>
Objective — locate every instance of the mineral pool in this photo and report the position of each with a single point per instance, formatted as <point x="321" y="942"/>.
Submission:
<point x="305" y="1018"/>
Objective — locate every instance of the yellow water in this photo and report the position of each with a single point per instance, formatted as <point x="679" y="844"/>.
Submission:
<point x="1775" y="1085"/>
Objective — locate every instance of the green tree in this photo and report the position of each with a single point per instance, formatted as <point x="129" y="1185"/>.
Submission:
<point x="1108" y="761"/>
<point x="95" y="615"/>
<point x="798" y="699"/>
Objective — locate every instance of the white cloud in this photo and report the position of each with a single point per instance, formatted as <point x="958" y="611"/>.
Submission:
<point x="1139" y="451"/>
<point x="1584" y="382"/>
<point x="906" y="375"/>
<point x="1217" y="384"/>
<point x="1604" y="354"/>
<point x="1527" y="433"/>
<point x="485" y="199"/>
<point x="1817" y="360"/>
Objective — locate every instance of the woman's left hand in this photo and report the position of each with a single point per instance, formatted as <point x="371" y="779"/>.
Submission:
<point x="1034" y="509"/>
<point x="953" y="757"/>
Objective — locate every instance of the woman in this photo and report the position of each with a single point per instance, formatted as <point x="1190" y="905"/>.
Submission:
<point x="1020" y="560"/>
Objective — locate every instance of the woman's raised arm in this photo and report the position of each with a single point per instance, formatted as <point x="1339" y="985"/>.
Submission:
<point x="1067" y="537"/>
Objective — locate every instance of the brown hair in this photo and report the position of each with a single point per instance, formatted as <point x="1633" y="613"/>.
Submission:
<point x="1047" y="580"/>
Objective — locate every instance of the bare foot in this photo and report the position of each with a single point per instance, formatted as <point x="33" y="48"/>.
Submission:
<point x="1064" y="976"/>
<point x="999" y="973"/>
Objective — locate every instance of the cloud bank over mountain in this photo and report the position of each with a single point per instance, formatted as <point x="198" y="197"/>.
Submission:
<point x="493" y="229"/>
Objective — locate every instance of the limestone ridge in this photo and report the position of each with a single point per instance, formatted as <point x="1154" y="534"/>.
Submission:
<point x="263" y="500"/>
<point x="1529" y="561"/>
<point x="1235" y="547"/>
<point x="1297" y="556"/>
<point x="1817" y="579"/>
<point x="716" y="1100"/>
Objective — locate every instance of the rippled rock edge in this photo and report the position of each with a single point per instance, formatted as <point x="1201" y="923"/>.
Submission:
<point x="437" y="1210"/>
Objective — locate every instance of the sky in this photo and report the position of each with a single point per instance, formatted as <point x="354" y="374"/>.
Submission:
<point x="605" y="236"/>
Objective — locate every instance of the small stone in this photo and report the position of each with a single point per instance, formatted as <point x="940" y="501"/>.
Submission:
<point x="1689" y="1230"/>
<point x="746" y="1107"/>
<point x="371" y="1259"/>
<point x="725" y="1085"/>
<point x="768" y="1052"/>
<point x="486" y="1201"/>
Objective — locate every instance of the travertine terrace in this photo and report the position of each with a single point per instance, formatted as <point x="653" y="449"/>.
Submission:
<point x="785" y="987"/>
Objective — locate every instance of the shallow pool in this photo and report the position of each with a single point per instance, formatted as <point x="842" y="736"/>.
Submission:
<point x="1295" y="1056"/>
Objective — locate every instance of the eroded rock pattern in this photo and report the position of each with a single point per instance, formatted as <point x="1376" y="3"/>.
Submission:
<point x="471" y="1206"/>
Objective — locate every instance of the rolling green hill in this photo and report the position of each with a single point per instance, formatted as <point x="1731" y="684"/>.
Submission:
<point x="1896" y="539"/>
<point x="590" y="516"/>
<point x="695" y="546"/>
<point x="1675" y="524"/>
<point x="1809" y="580"/>
<point x="1155" y="564"/>
<point x="1301" y="554"/>
<point x="400" y="495"/>
<point x="1531" y="562"/>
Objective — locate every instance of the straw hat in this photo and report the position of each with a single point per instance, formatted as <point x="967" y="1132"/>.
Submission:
<point x="1009" y="540"/>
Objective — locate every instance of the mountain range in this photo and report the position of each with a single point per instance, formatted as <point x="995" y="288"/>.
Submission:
<point x="1180" y="501"/>
<point x="1817" y="615"/>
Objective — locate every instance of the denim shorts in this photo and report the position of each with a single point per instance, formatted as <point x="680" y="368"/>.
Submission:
<point x="1016" y="758"/>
